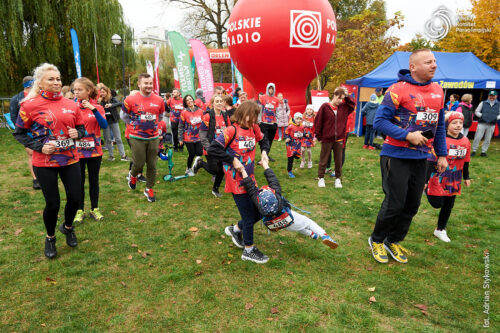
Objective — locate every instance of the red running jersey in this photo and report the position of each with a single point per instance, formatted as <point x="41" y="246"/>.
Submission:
<point x="48" y="121"/>
<point x="90" y="144"/>
<point x="192" y="123"/>
<point x="242" y="147"/>
<point x="296" y="135"/>
<point x="269" y="104"/>
<point x="176" y="108"/>
<point x="144" y="115"/>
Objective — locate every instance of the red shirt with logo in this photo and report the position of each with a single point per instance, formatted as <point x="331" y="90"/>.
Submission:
<point x="269" y="105"/>
<point x="176" y="107"/>
<point x="192" y="121"/>
<point x="48" y="121"/>
<point x="417" y="109"/>
<point x="242" y="147"/>
<point x="308" y="124"/>
<point x="199" y="103"/>
<point x="144" y="115"/>
<point x="295" y="133"/>
<point x="162" y="130"/>
<point x="449" y="182"/>
<point x="90" y="144"/>
<point x="220" y="126"/>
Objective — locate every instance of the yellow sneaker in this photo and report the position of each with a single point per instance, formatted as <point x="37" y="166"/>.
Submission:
<point x="397" y="251"/>
<point x="96" y="214"/>
<point x="80" y="215"/>
<point x="378" y="251"/>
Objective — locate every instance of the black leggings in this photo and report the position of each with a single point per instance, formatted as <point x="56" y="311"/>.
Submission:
<point x="175" y="133"/>
<point x="70" y="176"/>
<point x="214" y="167"/>
<point x="194" y="149"/>
<point x="290" y="162"/>
<point x="446" y="204"/>
<point x="93" y="165"/>
<point x="269" y="131"/>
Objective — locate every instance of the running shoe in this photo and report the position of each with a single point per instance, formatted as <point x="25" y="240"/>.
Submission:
<point x="371" y="148"/>
<point x="196" y="164"/>
<point x="70" y="235"/>
<point x="255" y="255"/>
<point x="310" y="165"/>
<point x="80" y="215"/>
<point x="150" y="195"/>
<point x="111" y="159"/>
<point x="328" y="241"/>
<point x="125" y="158"/>
<point x="397" y="251"/>
<point x="290" y="174"/>
<point x="190" y="172"/>
<point x="365" y="146"/>
<point x="36" y="184"/>
<point x="132" y="181"/>
<point x="484" y="155"/>
<point x="321" y="182"/>
<point x="338" y="183"/>
<point x="302" y="164"/>
<point x="141" y="178"/>
<point x="237" y="237"/>
<point x="216" y="193"/>
<point x="378" y="251"/>
<point x="473" y="154"/>
<point x="271" y="159"/>
<point x="50" y="247"/>
<point x="314" y="235"/>
<point x="442" y="235"/>
<point x="96" y="214"/>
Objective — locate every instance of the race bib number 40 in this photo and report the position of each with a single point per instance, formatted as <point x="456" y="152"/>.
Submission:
<point x="63" y="144"/>
<point x="148" y="117"/>
<point x="246" y="144"/>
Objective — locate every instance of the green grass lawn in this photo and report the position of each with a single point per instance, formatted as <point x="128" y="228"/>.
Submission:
<point x="196" y="282"/>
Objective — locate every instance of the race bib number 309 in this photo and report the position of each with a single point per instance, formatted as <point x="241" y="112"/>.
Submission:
<point x="427" y="116"/>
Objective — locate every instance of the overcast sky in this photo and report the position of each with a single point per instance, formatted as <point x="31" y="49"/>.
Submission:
<point x="141" y="14"/>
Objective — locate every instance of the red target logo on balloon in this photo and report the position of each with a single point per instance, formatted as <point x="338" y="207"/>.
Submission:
<point x="305" y="29"/>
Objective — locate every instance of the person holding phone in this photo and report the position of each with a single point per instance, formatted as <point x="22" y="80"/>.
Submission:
<point x="412" y="117"/>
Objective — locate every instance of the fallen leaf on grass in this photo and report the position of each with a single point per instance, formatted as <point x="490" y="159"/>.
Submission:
<point x="198" y="273"/>
<point x="18" y="231"/>
<point x="198" y="261"/>
<point x="133" y="245"/>
<point x="124" y="284"/>
<point x="129" y="257"/>
<point x="43" y="325"/>
<point x="185" y="251"/>
<point x="145" y="254"/>
<point x="289" y="272"/>
<point x="315" y="298"/>
<point x="428" y="242"/>
<point x="372" y="300"/>
<point x="177" y="204"/>
<point x="282" y="243"/>
<point x="145" y="214"/>
<point x="219" y="243"/>
<point x="193" y="229"/>
<point x="371" y="289"/>
<point x="274" y="310"/>
<point x="290" y="282"/>
<point x="222" y="236"/>
<point x="425" y="313"/>
<point x="50" y="280"/>
<point x="248" y="306"/>
<point x="1" y="239"/>
<point x="229" y="255"/>
<point x="466" y="245"/>
<point x="270" y="319"/>
<point x="113" y="212"/>
<point x="369" y="268"/>
<point x="422" y="307"/>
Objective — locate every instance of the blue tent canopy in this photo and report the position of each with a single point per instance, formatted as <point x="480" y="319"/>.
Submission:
<point x="455" y="71"/>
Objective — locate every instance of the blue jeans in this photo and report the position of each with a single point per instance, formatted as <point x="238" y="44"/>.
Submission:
<point x="281" y="132"/>
<point x="369" y="134"/>
<point x="249" y="216"/>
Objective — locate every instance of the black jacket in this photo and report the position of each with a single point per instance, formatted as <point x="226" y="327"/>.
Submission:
<point x="15" y="106"/>
<point x="206" y="137"/>
<point x="112" y="114"/>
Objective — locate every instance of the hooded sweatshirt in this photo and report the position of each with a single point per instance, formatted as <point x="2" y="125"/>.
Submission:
<point x="269" y="105"/>
<point x="410" y="106"/>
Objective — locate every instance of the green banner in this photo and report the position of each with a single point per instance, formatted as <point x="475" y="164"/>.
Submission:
<point x="182" y="62"/>
<point x="239" y="78"/>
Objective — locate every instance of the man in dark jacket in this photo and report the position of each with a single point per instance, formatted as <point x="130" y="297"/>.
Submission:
<point x="488" y="113"/>
<point x="369" y="111"/>
<point x="330" y="129"/>
<point x="15" y="105"/>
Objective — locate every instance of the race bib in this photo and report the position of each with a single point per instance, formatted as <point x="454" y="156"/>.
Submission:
<point x="178" y="107"/>
<point x="457" y="152"/>
<point x="85" y="144"/>
<point x="64" y="144"/>
<point x="148" y="117"/>
<point x="308" y="124"/>
<point x="280" y="222"/>
<point x="219" y="130"/>
<point x="270" y="106"/>
<point x="431" y="117"/>
<point x="195" y="120"/>
<point x="247" y="144"/>
<point x="298" y="134"/>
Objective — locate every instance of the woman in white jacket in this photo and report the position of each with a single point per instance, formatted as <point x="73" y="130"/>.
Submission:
<point x="282" y="116"/>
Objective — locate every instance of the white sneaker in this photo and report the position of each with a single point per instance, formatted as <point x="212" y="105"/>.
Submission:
<point x="338" y="183"/>
<point x="441" y="234"/>
<point x="310" y="165"/>
<point x="302" y="163"/>
<point x="321" y="182"/>
<point x="279" y="139"/>
<point x="190" y="172"/>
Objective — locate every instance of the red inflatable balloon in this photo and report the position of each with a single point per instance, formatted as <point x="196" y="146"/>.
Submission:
<point x="284" y="42"/>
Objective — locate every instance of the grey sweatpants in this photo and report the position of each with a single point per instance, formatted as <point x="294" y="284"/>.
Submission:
<point x="485" y="130"/>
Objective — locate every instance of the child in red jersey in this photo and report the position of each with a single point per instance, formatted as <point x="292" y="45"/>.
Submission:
<point x="309" y="139"/>
<point x="294" y="136"/>
<point x="174" y="103"/>
<point x="444" y="187"/>
<point x="235" y="147"/>
<point x="189" y="131"/>
<point x="89" y="147"/>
